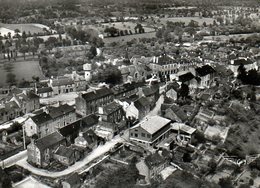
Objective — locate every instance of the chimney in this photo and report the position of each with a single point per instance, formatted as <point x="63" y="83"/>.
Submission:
<point x="100" y="110"/>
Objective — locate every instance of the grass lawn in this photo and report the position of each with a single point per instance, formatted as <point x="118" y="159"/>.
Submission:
<point x="22" y="69"/>
<point x="187" y="20"/>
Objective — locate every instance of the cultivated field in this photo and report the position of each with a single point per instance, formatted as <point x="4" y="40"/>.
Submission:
<point x="123" y="39"/>
<point x="22" y="69"/>
<point x="187" y="20"/>
<point x="123" y="26"/>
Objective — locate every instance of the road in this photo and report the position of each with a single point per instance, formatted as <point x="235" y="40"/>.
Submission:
<point x="157" y="107"/>
<point x="95" y="154"/>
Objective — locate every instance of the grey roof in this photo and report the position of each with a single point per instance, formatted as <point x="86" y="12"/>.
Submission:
<point x="153" y="124"/>
<point x="44" y="90"/>
<point x="41" y="118"/>
<point x="186" y="77"/>
<point x="238" y="62"/>
<point x="98" y="94"/>
<point x="141" y="103"/>
<point x="62" y="82"/>
<point x="204" y="70"/>
<point x="111" y="107"/>
<point x="64" y="151"/>
<point x="49" y="141"/>
<point x="150" y="90"/>
<point x="60" y="111"/>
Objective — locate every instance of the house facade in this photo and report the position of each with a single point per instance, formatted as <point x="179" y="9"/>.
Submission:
<point x="112" y="112"/>
<point x="248" y="64"/>
<point x="62" y="85"/>
<point x="88" y="103"/>
<point x="150" y="131"/>
<point x="40" y="151"/>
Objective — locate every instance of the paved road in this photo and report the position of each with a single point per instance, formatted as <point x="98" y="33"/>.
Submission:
<point x="96" y="153"/>
<point x="157" y="107"/>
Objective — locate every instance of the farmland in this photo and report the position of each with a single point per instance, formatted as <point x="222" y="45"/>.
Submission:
<point x="187" y="20"/>
<point x="22" y="69"/>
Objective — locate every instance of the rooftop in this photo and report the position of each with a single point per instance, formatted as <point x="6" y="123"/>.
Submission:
<point x="97" y="94"/>
<point x="153" y="124"/>
<point x="183" y="127"/>
<point x="41" y="118"/>
<point x="49" y="141"/>
<point x="60" y="111"/>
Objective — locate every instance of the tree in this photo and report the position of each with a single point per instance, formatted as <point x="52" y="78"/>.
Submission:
<point x="92" y="52"/>
<point x="225" y="183"/>
<point x="184" y="91"/>
<point x="24" y="49"/>
<point x="10" y="79"/>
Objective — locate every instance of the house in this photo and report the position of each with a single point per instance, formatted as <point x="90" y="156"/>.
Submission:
<point x="86" y="139"/>
<point x="49" y="121"/>
<point x="134" y="73"/>
<point x="44" y="92"/>
<point x="172" y="90"/>
<point x="138" y="109"/>
<point x="66" y="155"/>
<point x="8" y="111"/>
<point x="151" y="166"/>
<point x="183" y="133"/>
<point x="150" y="131"/>
<point x="62" y="85"/>
<point x="40" y="151"/>
<point x="27" y="101"/>
<point x="89" y="102"/>
<point x="150" y="92"/>
<point x="112" y="112"/>
<point x="176" y="114"/>
<point x="108" y="130"/>
<point x="203" y="117"/>
<point x="126" y="90"/>
<point x="71" y="131"/>
<point x="206" y="74"/>
<point x="73" y="181"/>
<point x="189" y="79"/>
<point x="62" y="115"/>
<point x="248" y="64"/>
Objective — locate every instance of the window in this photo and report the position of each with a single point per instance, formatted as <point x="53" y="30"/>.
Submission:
<point x="148" y="136"/>
<point x="131" y="134"/>
<point x="136" y="135"/>
<point x="143" y="135"/>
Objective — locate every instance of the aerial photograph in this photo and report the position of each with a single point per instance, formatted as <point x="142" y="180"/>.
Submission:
<point x="129" y="93"/>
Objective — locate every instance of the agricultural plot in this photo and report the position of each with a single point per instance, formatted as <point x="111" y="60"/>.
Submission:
<point x="187" y="20"/>
<point x="22" y="69"/>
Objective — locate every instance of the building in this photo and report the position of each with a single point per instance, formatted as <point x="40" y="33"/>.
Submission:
<point x="48" y="122"/>
<point x="151" y="166"/>
<point x="88" y="103"/>
<point x="86" y="139"/>
<point x="62" y="85"/>
<point x="189" y="79"/>
<point x="206" y="74"/>
<point x="40" y="151"/>
<point x="150" y="92"/>
<point x="126" y="90"/>
<point x="8" y="111"/>
<point x="172" y="90"/>
<point x="71" y="131"/>
<point x="150" y="131"/>
<point x="44" y="92"/>
<point x="73" y="181"/>
<point x="248" y="64"/>
<point x="112" y="112"/>
<point x="66" y="155"/>
<point x="138" y="109"/>
<point x="183" y="133"/>
<point x="176" y="114"/>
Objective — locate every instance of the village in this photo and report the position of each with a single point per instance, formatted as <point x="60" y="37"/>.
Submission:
<point x="130" y="99"/>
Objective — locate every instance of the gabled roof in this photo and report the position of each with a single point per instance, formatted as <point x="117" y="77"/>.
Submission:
<point x="183" y="127"/>
<point x="64" y="151"/>
<point x="44" y="90"/>
<point x="41" y="118"/>
<point x="60" y="111"/>
<point x="238" y="62"/>
<point x="186" y="77"/>
<point x="178" y="112"/>
<point x="153" y="124"/>
<point x="127" y="87"/>
<point x="111" y="107"/>
<point x="49" y="141"/>
<point x="82" y="124"/>
<point x="204" y="70"/>
<point x="97" y="94"/>
<point x="150" y="90"/>
<point x="62" y="82"/>
<point x="141" y="103"/>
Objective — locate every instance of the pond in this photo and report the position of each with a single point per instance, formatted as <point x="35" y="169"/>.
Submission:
<point x="22" y="69"/>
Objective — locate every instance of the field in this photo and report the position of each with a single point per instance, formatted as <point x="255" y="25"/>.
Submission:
<point x="123" y="39"/>
<point x="33" y="28"/>
<point x="22" y="69"/>
<point x="124" y="26"/>
<point x="187" y="20"/>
